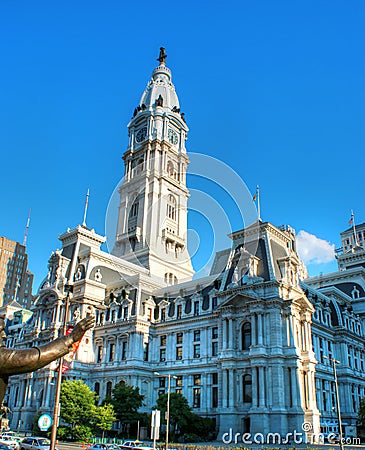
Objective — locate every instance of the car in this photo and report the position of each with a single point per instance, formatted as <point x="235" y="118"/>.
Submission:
<point x="131" y="445"/>
<point x="104" y="447"/>
<point x="35" y="443"/>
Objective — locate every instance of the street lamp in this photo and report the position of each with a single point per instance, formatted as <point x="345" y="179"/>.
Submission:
<point x="169" y="376"/>
<point x="56" y="410"/>
<point x="334" y="362"/>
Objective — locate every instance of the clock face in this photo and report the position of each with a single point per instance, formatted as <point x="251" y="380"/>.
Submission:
<point x="141" y="134"/>
<point x="172" y="135"/>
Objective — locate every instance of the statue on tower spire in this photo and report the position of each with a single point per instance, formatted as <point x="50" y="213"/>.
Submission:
<point x="162" y="57"/>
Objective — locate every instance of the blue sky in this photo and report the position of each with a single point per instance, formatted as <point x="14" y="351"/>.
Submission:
<point x="275" y="89"/>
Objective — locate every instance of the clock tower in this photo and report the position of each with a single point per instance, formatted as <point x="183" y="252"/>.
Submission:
<point x="152" y="219"/>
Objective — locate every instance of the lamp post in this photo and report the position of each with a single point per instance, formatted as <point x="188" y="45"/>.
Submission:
<point x="169" y="376"/>
<point x="334" y="362"/>
<point x="56" y="410"/>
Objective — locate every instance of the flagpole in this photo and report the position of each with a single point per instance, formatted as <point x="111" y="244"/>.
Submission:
<point x="356" y="244"/>
<point x="86" y="206"/>
<point x="258" y="202"/>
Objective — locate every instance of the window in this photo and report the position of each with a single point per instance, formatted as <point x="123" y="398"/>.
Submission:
<point x="124" y="350"/>
<point x="145" y="351"/>
<point x="214" y="348"/>
<point x="170" y="279"/>
<point x="162" y="354"/>
<point x="196" y="308"/>
<point x="196" y="335"/>
<point x="214" y="303"/>
<point x="247" y="388"/>
<point x="179" y="352"/>
<point x="179" y="380"/>
<point x="134" y="209"/>
<point x="246" y="336"/>
<point x="99" y="353"/>
<point x="196" y="398"/>
<point x="179" y="338"/>
<point x="97" y="388"/>
<point x="163" y="340"/>
<point x="163" y="314"/>
<point x="109" y="389"/>
<point x="111" y="352"/>
<point x="179" y="312"/>
<point x="215" y="333"/>
<point x="162" y="382"/>
<point x="171" y="207"/>
<point x="197" y="379"/>
<point x="197" y="351"/>
<point x="214" y="396"/>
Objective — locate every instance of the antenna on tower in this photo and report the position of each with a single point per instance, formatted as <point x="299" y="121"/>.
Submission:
<point x="85" y="209"/>
<point x="27" y="229"/>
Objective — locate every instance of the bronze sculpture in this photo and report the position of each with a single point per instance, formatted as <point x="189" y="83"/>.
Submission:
<point x="14" y="362"/>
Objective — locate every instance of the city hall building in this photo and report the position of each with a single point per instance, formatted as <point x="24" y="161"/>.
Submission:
<point x="250" y="345"/>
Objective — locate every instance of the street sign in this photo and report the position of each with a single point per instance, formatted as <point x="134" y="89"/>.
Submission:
<point x="155" y="424"/>
<point x="44" y="422"/>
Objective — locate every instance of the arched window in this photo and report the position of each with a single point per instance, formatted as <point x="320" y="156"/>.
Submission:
<point x="97" y="388"/>
<point x="133" y="212"/>
<point x="246" y="336"/>
<point x="171" y="207"/>
<point x="171" y="170"/>
<point x="247" y="388"/>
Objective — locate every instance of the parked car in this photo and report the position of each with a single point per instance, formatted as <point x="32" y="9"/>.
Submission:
<point x="104" y="447"/>
<point x="131" y="445"/>
<point x="35" y="443"/>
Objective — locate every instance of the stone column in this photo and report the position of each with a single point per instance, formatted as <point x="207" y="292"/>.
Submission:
<point x="254" y="387"/>
<point x="294" y="384"/>
<point x="224" y="390"/>
<point x="253" y="329"/>
<point x="262" y="389"/>
<point x="224" y="334"/>
<point x="259" y="329"/>
<point x="230" y="333"/>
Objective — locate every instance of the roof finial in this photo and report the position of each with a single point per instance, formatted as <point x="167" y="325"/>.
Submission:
<point x="162" y="57"/>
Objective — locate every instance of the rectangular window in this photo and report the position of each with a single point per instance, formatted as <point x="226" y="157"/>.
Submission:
<point x="214" y="348"/>
<point x="214" y="303"/>
<point x="162" y="382"/>
<point x="179" y="352"/>
<point x="100" y="353"/>
<point x="179" y="338"/>
<point x="163" y="314"/>
<point x="215" y="378"/>
<point x="163" y="340"/>
<point x="196" y="335"/>
<point x="197" y="379"/>
<point x="215" y="333"/>
<point x="162" y="354"/>
<point x="145" y="351"/>
<point x="196" y="308"/>
<point x="161" y="392"/>
<point x="197" y="351"/>
<point x="196" y="398"/>
<point x="179" y="311"/>
<point x="179" y="380"/>
<point x="214" y="396"/>
<point x="178" y="391"/>
<point x="124" y="350"/>
<point x="111" y="352"/>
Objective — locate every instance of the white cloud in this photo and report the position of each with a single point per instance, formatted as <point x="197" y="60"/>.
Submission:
<point x="313" y="250"/>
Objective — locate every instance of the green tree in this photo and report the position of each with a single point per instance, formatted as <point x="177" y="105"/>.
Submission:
<point x="78" y="404"/>
<point x="105" y="418"/>
<point x="183" y="421"/>
<point x="126" y="401"/>
<point x="180" y="412"/>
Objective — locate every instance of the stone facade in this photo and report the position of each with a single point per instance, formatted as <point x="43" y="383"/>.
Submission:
<point x="246" y="343"/>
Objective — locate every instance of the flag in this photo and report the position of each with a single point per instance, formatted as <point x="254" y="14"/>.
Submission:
<point x="254" y="197"/>
<point x="351" y="221"/>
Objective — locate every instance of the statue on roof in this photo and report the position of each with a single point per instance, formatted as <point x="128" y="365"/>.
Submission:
<point x="162" y="57"/>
